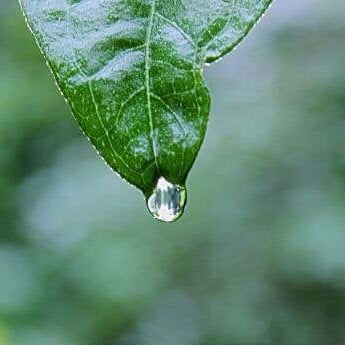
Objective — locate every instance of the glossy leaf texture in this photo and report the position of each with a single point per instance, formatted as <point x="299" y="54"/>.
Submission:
<point x="132" y="73"/>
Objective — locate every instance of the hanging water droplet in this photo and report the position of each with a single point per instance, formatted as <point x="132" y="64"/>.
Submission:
<point x="167" y="201"/>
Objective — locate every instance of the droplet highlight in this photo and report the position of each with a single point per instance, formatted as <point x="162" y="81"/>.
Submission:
<point x="167" y="201"/>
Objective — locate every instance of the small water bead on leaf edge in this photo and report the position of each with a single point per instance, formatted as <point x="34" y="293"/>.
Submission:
<point x="167" y="201"/>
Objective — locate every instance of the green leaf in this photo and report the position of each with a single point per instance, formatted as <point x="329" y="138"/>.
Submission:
<point x="132" y="73"/>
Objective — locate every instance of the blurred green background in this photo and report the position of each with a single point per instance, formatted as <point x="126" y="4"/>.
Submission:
<point x="258" y="258"/>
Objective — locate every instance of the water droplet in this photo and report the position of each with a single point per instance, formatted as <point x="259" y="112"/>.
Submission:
<point x="167" y="201"/>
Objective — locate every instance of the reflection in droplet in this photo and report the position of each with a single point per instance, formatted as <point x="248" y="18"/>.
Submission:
<point x="167" y="201"/>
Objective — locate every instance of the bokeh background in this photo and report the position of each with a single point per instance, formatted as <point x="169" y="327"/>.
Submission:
<point x="258" y="258"/>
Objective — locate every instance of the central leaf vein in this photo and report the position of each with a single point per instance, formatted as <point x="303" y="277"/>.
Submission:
<point x="147" y="78"/>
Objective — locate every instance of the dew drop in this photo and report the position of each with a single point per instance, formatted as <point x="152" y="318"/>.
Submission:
<point x="167" y="201"/>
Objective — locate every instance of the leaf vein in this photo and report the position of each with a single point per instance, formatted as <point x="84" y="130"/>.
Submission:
<point x="147" y="78"/>
<point x="177" y="27"/>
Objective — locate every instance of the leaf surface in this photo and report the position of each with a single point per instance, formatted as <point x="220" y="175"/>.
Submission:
<point x="132" y="73"/>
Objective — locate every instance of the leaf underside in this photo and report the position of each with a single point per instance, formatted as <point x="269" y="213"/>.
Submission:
<point x="132" y="73"/>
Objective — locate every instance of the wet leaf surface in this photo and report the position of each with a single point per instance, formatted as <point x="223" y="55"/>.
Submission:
<point x="132" y="73"/>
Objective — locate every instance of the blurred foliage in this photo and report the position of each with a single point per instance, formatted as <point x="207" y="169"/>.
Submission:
<point x="259" y="256"/>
